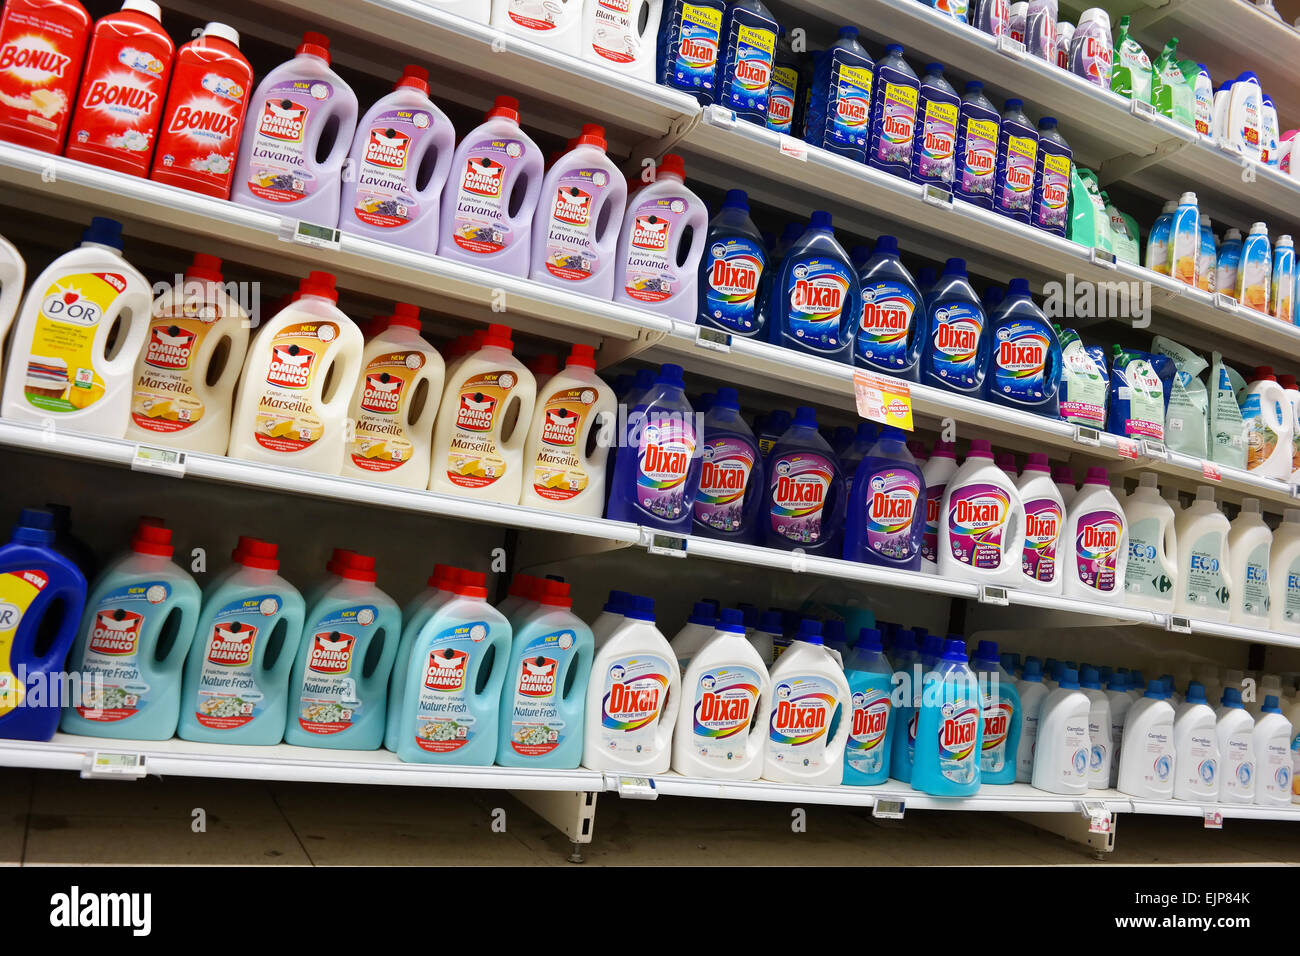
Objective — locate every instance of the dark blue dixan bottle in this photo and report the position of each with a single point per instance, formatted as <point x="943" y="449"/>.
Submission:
<point x="839" y="104"/>
<point x="956" y="336"/>
<point x="749" y="53"/>
<point x="815" y="297"/>
<point x="894" y="96"/>
<point x="731" y="270"/>
<point x="888" y="336"/>
<point x="689" y="45"/>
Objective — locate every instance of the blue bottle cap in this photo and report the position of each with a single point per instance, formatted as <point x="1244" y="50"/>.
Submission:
<point x="1015" y="103"/>
<point x="1090" y="678"/>
<point x="1033" y="671"/>
<point x="820" y="220"/>
<point x="778" y="420"/>
<point x="926" y="275"/>
<point x="920" y="631"/>
<point x="894" y="48"/>
<point x="792" y="231"/>
<point x="892" y="433"/>
<point x="867" y="432"/>
<point x="1104" y="672"/>
<point x="810" y="631"/>
<point x="1047" y="122"/>
<point x="974" y="86"/>
<point x="618" y="602"/>
<point x="641" y="609"/>
<point x="705" y="401"/>
<point x="1231" y="697"/>
<point x="645" y="377"/>
<point x="848" y="32"/>
<point x="805" y="416"/>
<point x="104" y="231"/>
<point x="954" y="267"/>
<point x="1155" y="689"/>
<point x="732" y="620"/>
<point x="770" y="622"/>
<point x="931" y="645"/>
<point x="35" y="527"/>
<point x="670" y="374"/>
<point x="703" y="614"/>
<point x="750" y="615"/>
<point x="1069" y="678"/>
<point x="1271" y="705"/>
<point x="868" y="640"/>
<point x="726" y="397"/>
<point x="904" y="641"/>
<point x="1196" y="692"/>
<point x="1117" y="682"/>
<point x="1136" y="679"/>
<point x="736" y="199"/>
<point x="931" y="68"/>
<point x="1008" y="661"/>
<point x="1017" y="288"/>
<point x="713" y="603"/>
<point x="886" y="245"/>
<point x="987" y="650"/>
<point x="954" y="649"/>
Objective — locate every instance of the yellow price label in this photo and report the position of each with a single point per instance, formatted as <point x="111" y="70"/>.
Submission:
<point x="883" y="399"/>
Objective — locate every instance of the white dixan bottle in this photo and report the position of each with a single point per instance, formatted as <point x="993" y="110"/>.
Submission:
<point x="1096" y="542"/>
<point x="610" y="618"/>
<point x="632" y="697"/>
<point x="982" y="523"/>
<point x="556" y="24"/>
<point x="394" y="405"/>
<point x="698" y="630"/>
<point x="1151" y="578"/>
<point x="564" y="464"/>
<point x="1032" y="692"/>
<point x="1236" y="734"/>
<point x="13" y="272"/>
<point x="1062" y="752"/>
<point x="65" y="365"/>
<point x="620" y="35"/>
<point x="478" y="439"/>
<point x="719" y="731"/>
<point x="1198" y="761"/>
<point x="1146" y="764"/>
<point x="1100" y="732"/>
<point x="1205" y="584"/>
<point x="1249" y="544"/>
<point x="301" y="371"/>
<point x="1273" y="760"/>
<point x="797" y="713"/>
<point x="1284" y="575"/>
<point x="1042" y="563"/>
<point x="938" y="471"/>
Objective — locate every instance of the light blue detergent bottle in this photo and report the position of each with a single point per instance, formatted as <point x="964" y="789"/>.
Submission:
<point x="339" y="683"/>
<point x="803" y="507"/>
<point x="451" y="708"/>
<point x="885" y="524"/>
<point x="1003" y="717"/>
<point x="889" y="338"/>
<point x="731" y="475"/>
<point x="949" y="728"/>
<point x="1017" y="163"/>
<point x="870" y="676"/>
<point x="894" y="98"/>
<point x="934" y="150"/>
<point x="1024" y="369"/>
<point x="1053" y="175"/>
<point x="731" y="270"/>
<point x="135" y="634"/>
<point x="441" y="589"/>
<point x="749" y="52"/>
<point x="903" y="745"/>
<point x="978" y="125"/>
<point x="956" y="348"/>
<point x="657" y="476"/>
<point x="236" y="681"/>
<point x="839" y="102"/>
<point x="690" y="38"/>
<point x="545" y="694"/>
<point x="816" y="297"/>
<point x="35" y="583"/>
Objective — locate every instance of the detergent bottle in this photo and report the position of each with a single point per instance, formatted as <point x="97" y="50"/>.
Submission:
<point x="722" y="687"/>
<point x="1032" y="693"/>
<point x="806" y="711"/>
<point x="491" y="196"/>
<point x="185" y="375"/>
<point x="291" y="161"/>
<point x="1002" y="715"/>
<point x="1202" y="533"/>
<point x="690" y="41"/>
<point x="45" y="43"/>
<point x="1103" y="749"/>
<point x="732" y="270"/>
<point x="859" y="446"/>
<point x="1092" y="55"/>
<point x="1063" y="747"/>
<point x="731" y="475"/>
<point x="1052" y="178"/>
<point x="1284" y="280"/>
<point x="815" y="295"/>
<point x="1197" y="750"/>
<point x="992" y="17"/>
<point x="1044" y="563"/>
<point x="633" y="697"/>
<point x="1097" y="541"/>
<point x="1131" y="75"/>
<point x="874" y="720"/>
<point x="839" y="101"/>
<point x="1063" y="478"/>
<point x="934" y="150"/>
<point x="1120" y="701"/>
<point x="1017" y="162"/>
<point x="884" y="524"/>
<point x="748" y="44"/>
<point x="978" y="130"/>
<point x="695" y="633"/>
<point x="894" y="103"/>
<point x="1146" y="764"/>
<point x="556" y="24"/>
<point x="74" y="344"/>
<point x="1225" y="276"/>
<point x="458" y="662"/>
<point x="789" y="92"/>
<point x="1157" y="253"/>
<point x="1040" y="29"/>
<point x="441" y="588"/>
<point x="575" y="230"/>
<point x="1235" y="731"/>
<point x="1270" y="132"/>
<point x="889" y="336"/>
<point x="1207" y="258"/>
<point x="339" y="682"/>
<point x="1203" y="102"/>
<point x="1249" y="543"/>
<point x="1266" y="409"/>
<point x="340" y="558"/>
<point x="1064" y="36"/>
<point x="982" y="522"/>
<point x="1185" y="240"/>
<point x="1284" y="575"/>
<point x="42" y="595"/>
<point x="949" y="728"/>
<point x="1171" y="93"/>
<point x="620" y="35"/>
<point x="957" y="342"/>
<point x="135" y="635"/>
<point x="906" y="660"/>
<point x="565" y="461"/>
<point x="13" y="272"/>
<point x="482" y="423"/>
<point x="1272" y="743"/>
<point x="1255" y="272"/>
<point x="653" y="271"/>
<point x="803" y="507"/>
<point x="1151" y="579"/>
<point x="1137" y="403"/>
<point x="936" y="474"/>
<point x="236" y="679"/>
<point x="298" y="381"/>
<point x="399" y="162"/>
<point x="1024" y="358"/>
<point x="1245" y="117"/>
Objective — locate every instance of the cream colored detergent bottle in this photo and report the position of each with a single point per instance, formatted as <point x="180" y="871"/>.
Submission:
<point x="301" y="371"/>
<point x="1205" y="586"/>
<point x="13" y="272"/>
<point x="186" y="373"/>
<point x="620" y="35"/>
<point x="395" y="404"/>
<point x="1151" y="578"/>
<point x="74" y="345"/>
<point x="1284" y="575"/>
<point x="564" y="459"/>
<point x="556" y="24"/>
<point x="478" y="437"/>
<point x="1249" y="543"/>
<point x="1266" y="409"/>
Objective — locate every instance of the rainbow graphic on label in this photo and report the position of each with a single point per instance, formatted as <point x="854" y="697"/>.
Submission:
<point x="723" y="711"/>
<point x="799" y="720"/>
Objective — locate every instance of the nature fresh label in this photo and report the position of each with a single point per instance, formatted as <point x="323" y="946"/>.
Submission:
<point x="444" y="721"/>
<point x="229" y="695"/>
<point x="328" y="700"/>
<point x="113" y="685"/>
<point x="536" y="726"/>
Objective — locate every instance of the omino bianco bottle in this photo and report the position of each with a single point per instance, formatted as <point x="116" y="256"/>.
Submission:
<point x="441" y="588"/>
<point x="1096" y="535"/>
<point x="807" y="713"/>
<point x="1202" y="532"/>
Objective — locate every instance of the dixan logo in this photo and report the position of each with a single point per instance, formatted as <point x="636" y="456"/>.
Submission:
<point x="382" y="393"/>
<point x="387" y="148"/>
<point x="870" y="720"/>
<point x="698" y="52"/>
<point x="630" y="702"/>
<point x="755" y="72"/>
<point x="283" y="119"/>
<point x="116" y="632"/>
<point x="799" y="717"/>
<point x="650" y="233"/>
<point x="39" y="63"/>
<point x="170" y="346"/>
<point x="800" y="491"/>
<point x="446" y="670"/>
<point x="957" y="733"/>
<point x="560" y="427"/>
<point x="823" y="295"/>
<point x="737" y="275"/>
<point x="290" y="366"/>
<point x="962" y="335"/>
<point x="331" y="652"/>
<point x="729" y="475"/>
<point x="483" y="176"/>
<point x="1043" y="526"/>
<point x="899" y="126"/>
<point x="979" y="513"/>
<point x="893" y="506"/>
<point x="476" y="411"/>
<point x="852" y="109"/>
<point x="232" y="644"/>
<point x="572" y="206"/>
<point x="1100" y="537"/>
<point x="884" y="317"/>
<point x="537" y="676"/>
<point x="1020" y="177"/>
<point x="665" y="462"/>
<point x="1023" y="355"/>
<point x="101" y="94"/>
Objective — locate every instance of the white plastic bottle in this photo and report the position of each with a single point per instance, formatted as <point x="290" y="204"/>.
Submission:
<point x="1100" y="734"/>
<point x="620" y="35"/>
<point x="695" y="633"/>
<point x="1196" y="749"/>
<point x="1273" y="761"/>
<point x="1120" y="702"/>
<point x="394" y="405"/>
<point x="799" y="710"/>
<point x="1061" y="754"/>
<point x="302" y="368"/>
<point x="1146" y="764"/>
<point x="1151" y="577"/>
<point x="1284" y="575"/>
<point x="1032" y="692"/>
<point x="556" y="24"/>
<point x="632" y="697"/>
<point x="1267" y="412"/>
<point x="1205" y="583"/>
<point x="1235" y="729"/>
<point x="185" y="374"/>
<point x="1041" y="565"/>
<point x="1249" y="543"/>
<point x="13" y="272"/>
<point x="478" y="438"/>
<point x="1244" y="128"/>
<point x="1096" y="542"/>
<point x="67" y="364"/>
<point x="1063" y="476"/>
<point x="1292" y="390"/>
<point x="718" y="732"/>
<point x="565" y="464"/>
<point x="982" y="523"/>
<point x="610" y="617"/>
<point x="938" y="471"/>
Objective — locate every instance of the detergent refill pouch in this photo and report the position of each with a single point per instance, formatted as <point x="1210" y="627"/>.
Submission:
<point x="1137" y="401"/>
<point x="1084" y="382"/>
<point x="1171" y="93"/>
<point x="1102" y="238"/>
<point x="1187" y="417"/>
<point x="1229" y="433"/>
<point x="1131" y="75"/>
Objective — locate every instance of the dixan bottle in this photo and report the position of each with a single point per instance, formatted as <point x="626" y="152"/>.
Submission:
<point x="814" y="298"/>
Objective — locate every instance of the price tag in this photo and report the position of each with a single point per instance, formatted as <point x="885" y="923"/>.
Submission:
<point x="1178" y="624"/>
<point x="883" y="399"/>
<point x="1127" y="448"/>
<point x="164" y="461"/>
<point x="1084" y="435"/>
<point x="315" y="235"/>
<point x="1155" y="449"/>
<point x="715" y="340"/>
<point x="1100" y="257"/>
<point x="121" y="766"/>
<point x="1213" y="819"/>
<point x="1225" y="302"/>
<point x="937" y="195"/>
<point x="1010" y="46"/>
<point x="1143" y="109"/>
<point x="1099" y="818"/>
<point x="1211" y="471"/>
<point x="637" y="788"/>
<point x="661" y="542"/>
<point x="1295" y="491"/>
<point x="794" y="148"/>
<point x="884" y="809"/>
<point x="994" y="595"/>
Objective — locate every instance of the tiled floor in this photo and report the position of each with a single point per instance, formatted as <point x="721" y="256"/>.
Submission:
<point x="57" y="818"/>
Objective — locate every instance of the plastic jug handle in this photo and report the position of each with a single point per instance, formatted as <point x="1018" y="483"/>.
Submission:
<point x="139" y="304"/>
<point x="74" y="600"/>
<point x="378" y="678"/>
<point x="668" y="713"/>
<point x="180" y="646"/>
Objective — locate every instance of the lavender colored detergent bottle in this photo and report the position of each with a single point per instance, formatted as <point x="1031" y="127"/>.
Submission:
<point x="894" y="97"/>
<point x="1017" y="162"/>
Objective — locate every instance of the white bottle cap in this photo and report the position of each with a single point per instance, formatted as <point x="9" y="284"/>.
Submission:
<point x="147" y="7"/>
<point x="1233" y="678"/>
<point x="1147" y="479"/>
<point x="1188" y="199"/>
<point x="1095" y="15"/>
<point x="224" y="32"/>
<point x="1232" y="234"/>
<point x="1259" y="229"/>
<point x="1250" y="506"/>
<point x="1170" y="207"/>
<point x="1205" y="220"/>
<point x="1205" y="493"/>
<point x="1284" y="240"/>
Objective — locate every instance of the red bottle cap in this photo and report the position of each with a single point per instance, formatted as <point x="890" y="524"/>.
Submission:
<point x="544" y="364"/>
<point x="416" y="77"/>
<point x="555" y="594"/>
<point x="204" y="268"/>
<point x="441" y="577"/>
<point x="673" y="165"/>
<point x="152" y="539"/>
<point x="405" y="315"/>
<point x="592" y="135"/>
<point x="506" y="106"/>
<point x="1264" y="373"/>
<point x="258" y="554"/>
<point x="583" y="356"/>
<point x="498" y="336"/>
<point x="358" y="567"/>
<point x="315" y="44"/>
<point x="472" y="584"/>
<point x="320" y="284"/>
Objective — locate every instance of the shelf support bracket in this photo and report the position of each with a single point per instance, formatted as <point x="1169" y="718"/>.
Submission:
<point x="1121" y="167"/>
<point x="613" y="351"/>
<point x="655" y="147"/>
<point x="1079" y="828"/>
<point x="571" y="812"/>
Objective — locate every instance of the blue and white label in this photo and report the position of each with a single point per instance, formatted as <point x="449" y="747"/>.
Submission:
<point x="731" y="287"/>
<point x="885" y="326"/>
<point x="816" y="296"/>
<point x="956" y="337"/>
<point x="328" y="701"/>
<point x="229" y="695"/>
<point x="1020" y="360"/>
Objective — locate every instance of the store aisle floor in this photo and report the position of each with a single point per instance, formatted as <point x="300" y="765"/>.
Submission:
<point x="57" y="818"/>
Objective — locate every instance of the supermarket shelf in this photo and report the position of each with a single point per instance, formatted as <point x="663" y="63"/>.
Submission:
<point x="1184" y="808"/>
<point x="1238" y="633"/>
